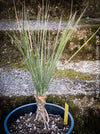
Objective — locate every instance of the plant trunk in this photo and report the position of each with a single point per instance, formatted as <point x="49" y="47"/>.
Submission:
<point x="41" y="113"/>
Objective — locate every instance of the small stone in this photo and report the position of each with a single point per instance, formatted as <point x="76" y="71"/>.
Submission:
<point x="28" y="120"/>
<point x="52" y="132"/>
<point x="18" y="120"/>
<point x="53" y="126"/>
<point x="21" y="117"/>
<point x="38" y="131"/>
<point x="52" y="122"/>
<point x="34" y="127"/>
<point x="26" y="115"/>
<point x="21" y="131"/>
<point x="46" y="131"/>
<point x="20" y="127"/>
<point x="66" y="128"/>
<point x="29" y="125"/>
<point x="30" y="129"/>
<point x="24" y="122"/>
<point x="56" y="127"/>
<point x="30" y="113"/>
<point x="58" y="119"/>
<point x="53" y="129"/>
<point x="60" y="126"/>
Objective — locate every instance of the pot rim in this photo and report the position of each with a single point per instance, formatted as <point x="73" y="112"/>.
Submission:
<point x="50" y="104"/>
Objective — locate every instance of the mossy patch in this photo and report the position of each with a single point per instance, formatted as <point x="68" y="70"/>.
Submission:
<point x="73" y="75"/>
<point x="17" y="65"/>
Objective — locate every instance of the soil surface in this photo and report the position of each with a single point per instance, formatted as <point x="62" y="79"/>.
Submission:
<point x="27" y="125"/>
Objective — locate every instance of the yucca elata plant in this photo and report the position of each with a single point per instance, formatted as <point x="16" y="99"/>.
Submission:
<point x="41" y="61"/>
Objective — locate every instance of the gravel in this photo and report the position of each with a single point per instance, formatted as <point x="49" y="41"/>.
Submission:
<point x="31" y="126"/>
<point x="52" y="25"/>
<point x="92" y="67"/>
<point x="16" y="82"/>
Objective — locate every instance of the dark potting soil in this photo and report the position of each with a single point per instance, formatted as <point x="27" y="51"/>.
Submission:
<point x="26" y="125"/>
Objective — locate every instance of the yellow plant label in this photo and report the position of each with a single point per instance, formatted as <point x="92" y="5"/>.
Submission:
<point x="66" y="114"/>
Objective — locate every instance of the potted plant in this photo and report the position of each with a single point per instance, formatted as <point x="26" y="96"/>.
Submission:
<point x="41" y="61"/>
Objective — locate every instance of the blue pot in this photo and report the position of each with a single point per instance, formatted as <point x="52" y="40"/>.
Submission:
<point x="51" y="109"/>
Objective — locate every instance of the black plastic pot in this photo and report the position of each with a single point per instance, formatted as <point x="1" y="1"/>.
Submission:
<point x="51" y="108"/>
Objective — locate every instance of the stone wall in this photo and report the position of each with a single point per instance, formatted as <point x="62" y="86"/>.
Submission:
<point x="56" y="8"/>
<point x="9" y="52"/>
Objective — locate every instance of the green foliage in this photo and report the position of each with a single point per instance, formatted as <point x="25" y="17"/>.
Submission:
<point x="35" y="46"/>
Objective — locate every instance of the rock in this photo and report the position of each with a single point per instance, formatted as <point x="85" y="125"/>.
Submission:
<point x="60" y="125"/>
<point x="30" y="113"/>
<point x="52" y="122"/>
<point x="38" y="131"/>
<point x="30" y="129"/>
<point x="21" y="117"/>
<point x="53" y="126"/>
<point x="58" y="119"/>
<point x="17" y="120"/>
<point x="29" y="125"/>
<point x="56" y="127"/>
<point x="28" y="120"/>
<point x="20" y="127"/>
<point x="52" y="132"/>
<point x="34" y="127"/>
<point x="53" y="129"/>
<point x="46" y="131"/>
